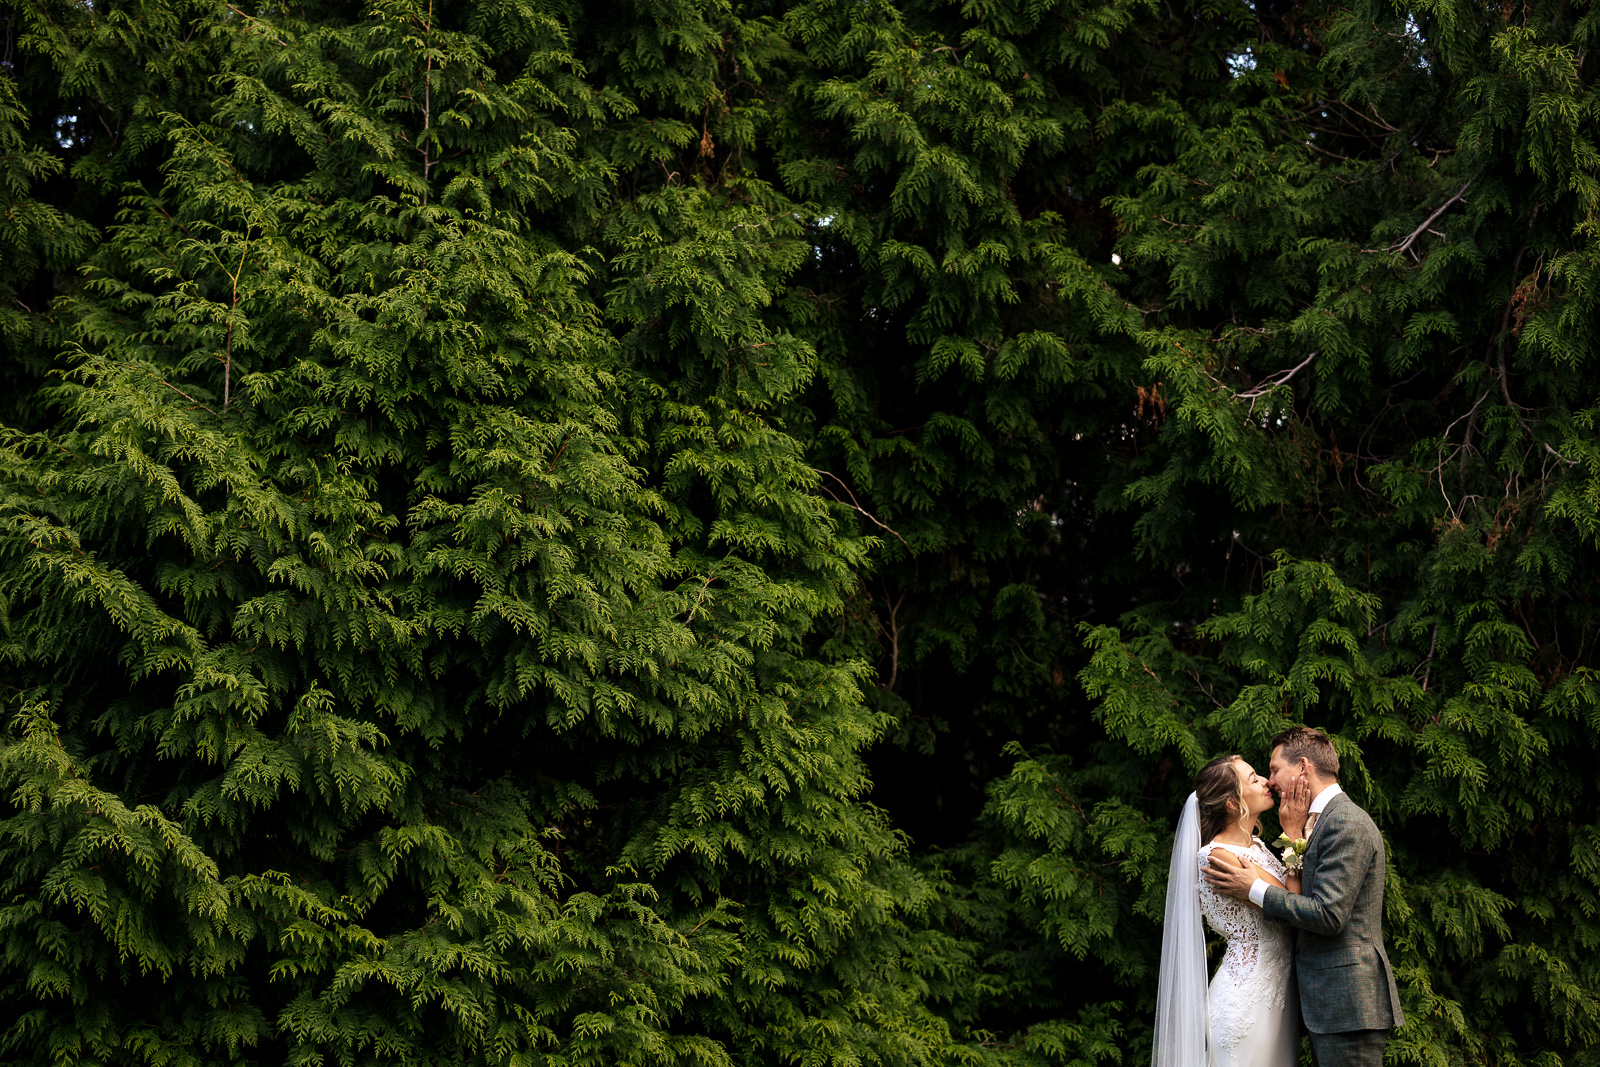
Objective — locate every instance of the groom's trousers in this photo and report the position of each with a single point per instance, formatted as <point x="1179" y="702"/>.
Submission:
<point x="1353" y="1048"/>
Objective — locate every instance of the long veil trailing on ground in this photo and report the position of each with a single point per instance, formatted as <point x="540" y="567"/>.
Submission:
<point x="1181" y="995"/>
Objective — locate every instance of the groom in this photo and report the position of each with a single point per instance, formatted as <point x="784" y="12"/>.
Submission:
<point x="1347" y="993"/>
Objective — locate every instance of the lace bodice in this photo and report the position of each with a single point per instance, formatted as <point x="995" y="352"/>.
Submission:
<point x="1259" y="954"/>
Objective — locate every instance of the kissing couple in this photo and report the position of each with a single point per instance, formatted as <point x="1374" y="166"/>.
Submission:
<point x="1326" y="887"/>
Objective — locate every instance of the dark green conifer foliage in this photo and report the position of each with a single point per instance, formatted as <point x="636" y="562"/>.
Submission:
<point x="404" y="605"/>
<point x="481" y="484"/>
<point x="1317" y="449"/>
<point x="39" y="240"/>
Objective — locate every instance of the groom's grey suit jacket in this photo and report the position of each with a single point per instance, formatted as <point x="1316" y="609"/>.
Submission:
<point x="1345" y="979"/>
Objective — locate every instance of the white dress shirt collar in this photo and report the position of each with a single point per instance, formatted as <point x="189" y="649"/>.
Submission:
<point x="1323" y="797"/>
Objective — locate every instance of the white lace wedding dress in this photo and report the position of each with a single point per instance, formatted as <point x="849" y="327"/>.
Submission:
<point x="1252" y="1008"/>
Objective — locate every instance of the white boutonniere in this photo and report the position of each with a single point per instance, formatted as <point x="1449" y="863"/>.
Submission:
<point x="1294" y="851"/>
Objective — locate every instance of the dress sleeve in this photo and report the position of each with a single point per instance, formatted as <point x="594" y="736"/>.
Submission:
<point x="1210" y="899"/>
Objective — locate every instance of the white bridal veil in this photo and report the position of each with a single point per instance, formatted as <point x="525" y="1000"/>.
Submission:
<point x="1181" y="995"/>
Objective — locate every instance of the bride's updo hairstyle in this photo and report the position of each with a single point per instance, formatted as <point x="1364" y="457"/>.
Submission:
<point x="1215" y="787"/>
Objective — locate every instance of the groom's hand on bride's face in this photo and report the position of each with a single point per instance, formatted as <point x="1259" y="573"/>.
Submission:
<point x="1231" y="875"/>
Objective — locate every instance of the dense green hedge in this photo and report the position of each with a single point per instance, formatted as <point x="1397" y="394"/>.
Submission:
<point x="691" y="533"/>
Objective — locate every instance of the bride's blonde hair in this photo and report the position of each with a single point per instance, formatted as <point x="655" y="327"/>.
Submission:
<point x="1218" y="783"/>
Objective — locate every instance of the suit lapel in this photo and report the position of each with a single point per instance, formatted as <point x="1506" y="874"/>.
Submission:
<point x="1314" y="838"/>
<point x="1334" y="802"/>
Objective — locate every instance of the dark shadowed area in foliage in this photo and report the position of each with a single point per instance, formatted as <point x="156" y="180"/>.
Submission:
<point x="696" y="533"/>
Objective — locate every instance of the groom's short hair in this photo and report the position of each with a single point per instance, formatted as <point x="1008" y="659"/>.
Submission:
<point x="1308" y="743"/>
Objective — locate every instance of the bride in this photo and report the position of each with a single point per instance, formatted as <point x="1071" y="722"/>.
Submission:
<point x="1249" y="1015"/>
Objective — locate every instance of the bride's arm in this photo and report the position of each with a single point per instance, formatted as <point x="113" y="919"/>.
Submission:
<point x="1290" y="882"/>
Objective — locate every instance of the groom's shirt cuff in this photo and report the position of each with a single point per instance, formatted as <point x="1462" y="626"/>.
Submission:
<point x="1258" y="893"/>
